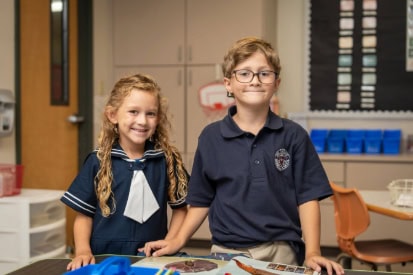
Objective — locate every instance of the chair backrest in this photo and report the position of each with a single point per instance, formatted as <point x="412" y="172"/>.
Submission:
<point x="351" y="216"/>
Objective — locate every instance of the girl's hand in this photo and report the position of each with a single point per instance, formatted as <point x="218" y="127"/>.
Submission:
<point x="81" y="260"/>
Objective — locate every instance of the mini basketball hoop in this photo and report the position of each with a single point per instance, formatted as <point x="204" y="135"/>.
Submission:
<point x="214" y="101"/>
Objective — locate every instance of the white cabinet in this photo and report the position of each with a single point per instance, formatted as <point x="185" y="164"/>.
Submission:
<point x="32" y="227"/>
<point x="186" y="31"/>
<point x="214" y="25"/>
<point x="148" y="32"/>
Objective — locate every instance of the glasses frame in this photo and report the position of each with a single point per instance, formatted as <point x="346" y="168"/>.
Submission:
<point x="257" y="74"/>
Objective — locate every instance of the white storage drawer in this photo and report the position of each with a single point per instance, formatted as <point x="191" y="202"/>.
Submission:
<point x="46" y="212"/>
<point x="9" y="241"/>
<point x="47" y="241"/>
<point x="32" y="227"/>
<point x="9" y="216"/>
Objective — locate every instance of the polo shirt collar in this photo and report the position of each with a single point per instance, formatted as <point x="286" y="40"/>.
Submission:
<point x="229" y="129"/>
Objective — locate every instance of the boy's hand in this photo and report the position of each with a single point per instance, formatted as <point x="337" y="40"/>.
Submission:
<point x="318" y="263"/>
<point x="160" y="248"/>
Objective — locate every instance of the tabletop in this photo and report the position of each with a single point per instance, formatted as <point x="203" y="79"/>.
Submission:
<point x="379" y="201"/>
<point x="58" y="267"/>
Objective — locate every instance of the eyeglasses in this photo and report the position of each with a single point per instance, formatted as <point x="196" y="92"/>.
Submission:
<point x="246" y="76"/>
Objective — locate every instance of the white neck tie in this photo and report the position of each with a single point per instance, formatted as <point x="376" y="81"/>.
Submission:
<point x="141" y="204"/>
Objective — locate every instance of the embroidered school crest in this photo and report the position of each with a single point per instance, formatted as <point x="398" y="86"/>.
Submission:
<point x="282" y="159"/>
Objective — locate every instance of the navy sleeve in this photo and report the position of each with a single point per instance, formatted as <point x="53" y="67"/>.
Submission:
<point x="81" y="195"/>
<point x="310" y="177"/>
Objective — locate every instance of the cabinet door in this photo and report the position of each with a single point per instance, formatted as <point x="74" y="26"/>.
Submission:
<point x="148" y="32"/>
<point x="376" y="175"/>
<point x="335" y="171"/>
<point x="327" y="226"/>
<point x="214" y="25"/>
<point x="171" y="81"/>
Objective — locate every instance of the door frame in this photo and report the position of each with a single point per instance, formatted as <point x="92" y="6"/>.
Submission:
<point x="85" y="79"/>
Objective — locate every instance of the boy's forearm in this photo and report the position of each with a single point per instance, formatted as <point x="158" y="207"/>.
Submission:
<point x="193" y="220"/>
<point x="177" y="219"/>
<point x="310" y="224"/>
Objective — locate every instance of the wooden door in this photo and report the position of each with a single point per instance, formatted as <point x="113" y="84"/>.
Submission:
<point x="49" y="143"/>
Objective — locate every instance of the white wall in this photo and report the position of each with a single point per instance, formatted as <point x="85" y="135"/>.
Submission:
<point x="102" y="59"/>
<point x="7" y="144"/>
<point x="290" y="46"/>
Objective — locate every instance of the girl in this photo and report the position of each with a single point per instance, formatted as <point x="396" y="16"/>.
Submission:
<point x="122" y="190"/>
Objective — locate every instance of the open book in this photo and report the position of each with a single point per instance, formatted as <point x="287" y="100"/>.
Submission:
<point x="243" y="265"/>
<point x="205" y="266"/>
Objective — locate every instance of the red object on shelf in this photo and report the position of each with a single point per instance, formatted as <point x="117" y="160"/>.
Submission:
<point x="11" y="178"/>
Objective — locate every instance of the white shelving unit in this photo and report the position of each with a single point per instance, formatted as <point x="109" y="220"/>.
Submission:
<point x="32" y="227"/>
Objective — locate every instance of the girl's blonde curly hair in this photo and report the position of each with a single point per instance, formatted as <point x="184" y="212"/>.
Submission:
<point x="108" y="137"/>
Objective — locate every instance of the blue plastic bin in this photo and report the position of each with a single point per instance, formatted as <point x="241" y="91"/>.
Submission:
<point x="342" y="133"/>
<point x="354" y="145"/>
<point x="373" y="141"/>
<point x="318" y="137"/>
<point x="392" y="134"/>
<point x="391" y="141"/>
<point x="391" y="146"/>
<point x="354" y="141"/>
<point x="336" y="140"/>
<point x="355" y="133"/>
<point x="115" y="265"/>
<point x="373" y="133"/>
<point x="335" y="145"/>
<point x="372" y="145"/>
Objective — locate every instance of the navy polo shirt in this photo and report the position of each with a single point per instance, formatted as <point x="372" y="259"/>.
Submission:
<point x="254" y="184"/>
<point x="118" y="234"/>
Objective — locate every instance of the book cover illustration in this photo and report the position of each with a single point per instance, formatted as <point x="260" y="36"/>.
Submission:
<point x="246" y="266"/>
<point x="184" y="265"/>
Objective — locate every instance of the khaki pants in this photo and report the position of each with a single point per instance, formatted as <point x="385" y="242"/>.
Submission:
<point x="274" y="252"/>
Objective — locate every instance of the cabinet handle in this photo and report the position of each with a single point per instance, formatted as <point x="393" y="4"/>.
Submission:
<point x="189" y="53"/>
<point x="180" y="54"/>
<point x="189" y="77"/>
<point x="179" y="78"/>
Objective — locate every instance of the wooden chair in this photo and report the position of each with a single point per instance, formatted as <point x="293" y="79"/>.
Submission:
<point x="351" y="219"/>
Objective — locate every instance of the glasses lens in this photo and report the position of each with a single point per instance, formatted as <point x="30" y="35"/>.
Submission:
<point x="244" y="76"/>
<point x="266" y="77"/>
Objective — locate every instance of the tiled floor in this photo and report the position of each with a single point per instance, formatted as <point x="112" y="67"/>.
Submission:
<point x="202" y="250"/>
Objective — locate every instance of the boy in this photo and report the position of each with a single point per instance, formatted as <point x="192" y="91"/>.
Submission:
<point x="255" y="174"/>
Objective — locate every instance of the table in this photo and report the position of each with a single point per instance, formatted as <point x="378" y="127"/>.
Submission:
<point x="58" y="267"/>
<point x="379" y="201"/>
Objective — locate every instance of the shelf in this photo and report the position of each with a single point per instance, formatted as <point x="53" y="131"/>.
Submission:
<point x="34" y="196"/>
<point x="51" y="254"/>
<point x="367" y="157"/>
<point x="48" y="227"/>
